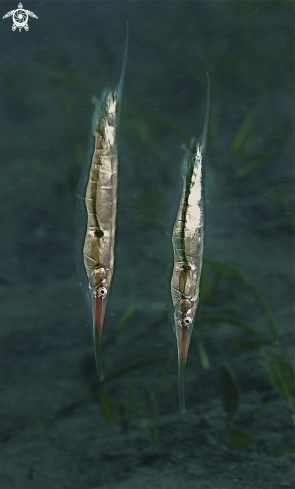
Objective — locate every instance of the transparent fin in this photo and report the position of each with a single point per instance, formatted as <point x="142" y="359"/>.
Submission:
<point x="206" y="121"/>
<point x="122" y="76"/>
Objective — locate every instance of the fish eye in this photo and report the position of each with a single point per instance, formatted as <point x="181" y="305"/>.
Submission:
<point x="101" y="292"/>
<point x="187" y="321"/>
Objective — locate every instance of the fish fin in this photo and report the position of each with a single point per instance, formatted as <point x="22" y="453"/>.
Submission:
<point x="122" y="76"/>
<point x="206" y="120"/>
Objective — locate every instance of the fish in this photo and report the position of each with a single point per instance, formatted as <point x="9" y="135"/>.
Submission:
<point x="188" y="247"/>
<point x="101" y="206"/>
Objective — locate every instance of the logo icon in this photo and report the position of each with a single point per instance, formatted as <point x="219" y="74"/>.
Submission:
<point x="20" y="17"/>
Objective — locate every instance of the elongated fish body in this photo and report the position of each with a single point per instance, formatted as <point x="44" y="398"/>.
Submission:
<point x="101" y="205"/>
<point x="188" y="246"/>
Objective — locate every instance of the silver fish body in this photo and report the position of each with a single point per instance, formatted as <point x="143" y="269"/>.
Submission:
<point x="188" y="247"/>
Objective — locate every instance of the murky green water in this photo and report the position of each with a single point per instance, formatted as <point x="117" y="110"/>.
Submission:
<point x="59" y="427"/>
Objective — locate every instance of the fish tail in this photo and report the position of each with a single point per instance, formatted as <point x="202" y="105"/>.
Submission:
<point x="206" y="120"/>
<point x="123" y="70"/>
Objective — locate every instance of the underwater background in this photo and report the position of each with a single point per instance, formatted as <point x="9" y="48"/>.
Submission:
<point x="59" y="426"/>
